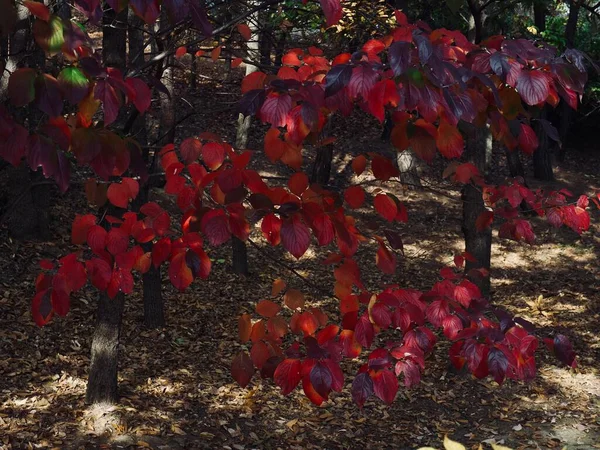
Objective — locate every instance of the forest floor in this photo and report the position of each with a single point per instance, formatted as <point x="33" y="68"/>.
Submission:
<point x="175" y="385"/>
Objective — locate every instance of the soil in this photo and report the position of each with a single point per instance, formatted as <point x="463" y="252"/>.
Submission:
<point x="175" y="385"/>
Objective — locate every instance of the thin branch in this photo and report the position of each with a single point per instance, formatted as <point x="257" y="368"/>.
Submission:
<point x="291" y="269"/>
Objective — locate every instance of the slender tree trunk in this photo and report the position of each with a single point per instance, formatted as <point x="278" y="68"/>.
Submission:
<point x="253" y="54"/>
<point x="475" y="33"/>
<point x="280" y="48"/>
<point x="513" y="161"/>
<point x="265" y="38"/>
<point x="102" y="384"/>
<point x="135" y="35"/>
<point x="542" y="158"/>
<point x="408" y="164"/>
<point x="478" y="243"/>
<point x="154" y="309"/>
<point x="321" y="170"/>
<point x="539" y="15"/>
<point x="239" y="262"/>
<point x="566" y="112"/>
<point x="114" y="38"/>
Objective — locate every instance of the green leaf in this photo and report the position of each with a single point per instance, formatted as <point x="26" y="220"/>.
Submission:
<point x="73" y="84"/>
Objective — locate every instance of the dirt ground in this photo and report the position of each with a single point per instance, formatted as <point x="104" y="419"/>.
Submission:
<point x="175" y="384"/>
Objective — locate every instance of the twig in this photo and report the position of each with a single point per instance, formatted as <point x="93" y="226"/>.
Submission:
<point x="291" y="269"/>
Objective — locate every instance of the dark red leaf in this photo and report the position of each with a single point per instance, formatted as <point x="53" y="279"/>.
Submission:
<point x="242" y="369"/>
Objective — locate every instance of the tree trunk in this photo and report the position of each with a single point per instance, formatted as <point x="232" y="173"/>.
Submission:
<point x="513" y="161"/>
<point x="478" y="243"/>
<point x="321" y="171"/>
<point x="102" y="381"/>
<point x="265" y="38"/>
<point x="114" y="38"/>
<point x="542" y="158"/>
<point x="15" y="47"/>
<point x="238" y="247"/>
<point x="539" y="15"/>
<point x="135" y="34"/>
<point x="475" y="33"/>
<point x="566" y="112"/>
<point x="408" y="164"/>
<point x="571" y="27"/>
<point x="154" y="309"/>
<point x="243" y="125"/>
<point x="280" y="48"/>
<point x="239" y="261"/>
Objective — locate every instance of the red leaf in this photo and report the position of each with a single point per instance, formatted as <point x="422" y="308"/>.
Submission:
<point x="180" y="51"/>
<point x="117" y="241"/>
<point x="213" y="155"/>
<point x="386" y="207"/>
<point x="385" y="385"/>
<point x="321" y="379"/>
<point x="354" y="196"/>
<point x="244" y="30"/>
<point x="385" y="260"/>
<point x="161" y="251"/>
<point x="484" y="221"/>
<point x="214" y="226"/>
<point x="96" y="238"/>
<point x="332" y="10"/>
<point x="287" y="375"/>
<point x="533" y="86"/>
<point x="41" y="307"/>
<point x="528" y="140"/>
<point x="362" y="388"/>
<point x="362" y="81"/>
<point x="143" y="94"/>
<point x="48" y="96"/>
<point x="21" y="84"/>
<point x="99" y="272"/>
<point x="216" y="53"/>
<point x="242" y="369"/>
<point x="449" y="141"/>
<point x="311" y="393"/>
<point x="259" y="353"/>
<point x="271" y="228"/>
<point x="298" y="183"/>
<point x="109" y="97"/>
<point x="359" y="164"/>
<point x="364" y="332"/>
<point x="179" y="272"/>
<point x="256" y="80"/>
<point x="267" y="308"/>
<point x="383" y="169"/>
<point x="119" y="194"/>
<point x="190" y="149"/>
<point x="38" y="9"/>
<point x="244" y="328"/>
<point x="383" y="93"/>
<point x="295" y="236"/>
<point x="293" y="299"/>
<point x="275" y="109"/>
<point x="80" y="228"/>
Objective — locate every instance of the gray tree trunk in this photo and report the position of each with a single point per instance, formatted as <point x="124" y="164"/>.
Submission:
<point x="408" y="164"/>
<point x="102" y="384"/>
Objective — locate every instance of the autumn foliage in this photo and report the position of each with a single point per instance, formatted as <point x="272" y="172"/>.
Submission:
<point x="432" y="82"/>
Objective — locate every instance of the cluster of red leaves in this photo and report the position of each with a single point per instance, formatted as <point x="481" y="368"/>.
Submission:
<point x="428" y="79"/>
<point x="487" y="341"/>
